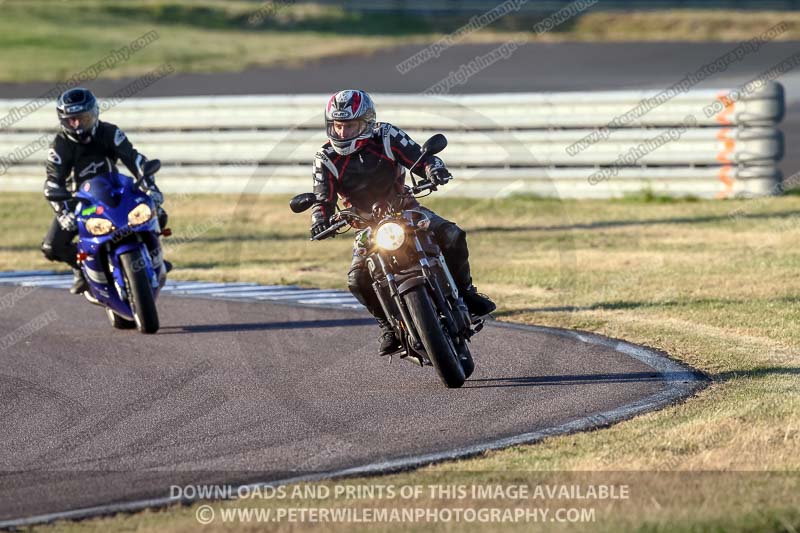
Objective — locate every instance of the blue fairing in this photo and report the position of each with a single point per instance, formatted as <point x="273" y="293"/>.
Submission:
<point x="112" y="197"/>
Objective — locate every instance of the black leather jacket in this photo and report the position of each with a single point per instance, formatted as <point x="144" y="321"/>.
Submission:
<point x="70" y="163"/>
<point x="374" y="173"/>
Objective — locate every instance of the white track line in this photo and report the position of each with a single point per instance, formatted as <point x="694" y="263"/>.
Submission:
<point x="216" y="290"/>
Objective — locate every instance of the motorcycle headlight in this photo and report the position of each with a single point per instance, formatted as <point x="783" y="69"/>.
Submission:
<point x="99" y="226"/>
<point x="139" y="215"/>
<point x="390" y="236"/>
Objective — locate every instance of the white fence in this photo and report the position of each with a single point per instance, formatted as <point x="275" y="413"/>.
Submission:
<point x="708" y="145"/>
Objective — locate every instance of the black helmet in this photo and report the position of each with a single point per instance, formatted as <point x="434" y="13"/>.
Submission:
<point x="81" y="104"/>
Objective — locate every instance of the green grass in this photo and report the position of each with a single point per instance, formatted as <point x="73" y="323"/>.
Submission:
<point x="648" y="195"/>
<point x="712" y="283"/>
<point x="50" y="40"/>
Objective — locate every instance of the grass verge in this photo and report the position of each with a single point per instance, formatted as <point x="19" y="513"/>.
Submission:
<point x="48" y="40"/>
<point x="714" y="284"/>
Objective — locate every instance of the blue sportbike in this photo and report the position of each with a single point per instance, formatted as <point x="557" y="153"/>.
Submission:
<point x="119" y="248"/>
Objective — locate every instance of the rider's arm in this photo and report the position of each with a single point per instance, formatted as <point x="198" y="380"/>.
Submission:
<point x="59" y="167"/>
<point x="326" y="176"/>
<point x="124" y="150"/>
<point x="404" y="150"/>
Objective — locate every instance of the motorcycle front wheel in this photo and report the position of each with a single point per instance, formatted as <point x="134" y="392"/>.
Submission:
<point x="465" y="356"/>
<point x="140" y="293"/>
<point x="434" y="338"/>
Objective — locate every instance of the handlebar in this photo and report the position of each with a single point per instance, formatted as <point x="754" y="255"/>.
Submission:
<point x="422" y="187"/>
<point x="331" y="229"/>
<point x="428" y="186"/>
<point x="345" y="216"/>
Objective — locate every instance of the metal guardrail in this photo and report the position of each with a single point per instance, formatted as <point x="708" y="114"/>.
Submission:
<point x="702" y="146"/>
<point x="500" y="144"/>
<point x="503" y="111"/>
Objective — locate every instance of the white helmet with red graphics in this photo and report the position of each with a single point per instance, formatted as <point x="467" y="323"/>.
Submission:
<point x="349" y="120"/>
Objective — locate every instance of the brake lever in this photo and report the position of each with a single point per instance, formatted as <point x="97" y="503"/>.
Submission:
<point x="426" y="186"/>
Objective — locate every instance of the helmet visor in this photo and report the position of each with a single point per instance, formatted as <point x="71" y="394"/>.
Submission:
<point x="346" y="130"/>
<point x="80" y="121"/>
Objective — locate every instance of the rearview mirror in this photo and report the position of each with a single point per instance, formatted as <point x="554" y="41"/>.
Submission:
<point x="435" y="144"/>
<point x="151" y="167"/>
<point x="302" y="202"/>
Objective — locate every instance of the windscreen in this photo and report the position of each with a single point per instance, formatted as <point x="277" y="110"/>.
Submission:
<point x="105" y="189"/>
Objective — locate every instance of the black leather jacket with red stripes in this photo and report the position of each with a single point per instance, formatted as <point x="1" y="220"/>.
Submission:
<point x="374" y="173"/>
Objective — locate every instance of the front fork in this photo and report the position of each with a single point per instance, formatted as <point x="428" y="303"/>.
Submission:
<point x="455" y="321"/>
<point x="394" y="294"/>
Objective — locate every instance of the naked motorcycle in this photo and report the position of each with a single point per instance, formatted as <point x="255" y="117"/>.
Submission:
<point x="411" y="279"/>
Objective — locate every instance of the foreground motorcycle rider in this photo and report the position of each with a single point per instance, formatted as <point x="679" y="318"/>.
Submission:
<point x="84" y="148"/>
<point x="364" y="162"/>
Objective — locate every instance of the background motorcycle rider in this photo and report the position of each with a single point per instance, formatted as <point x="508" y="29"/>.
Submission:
<point x="364" y="162"/>
<point x="84" y="148"/>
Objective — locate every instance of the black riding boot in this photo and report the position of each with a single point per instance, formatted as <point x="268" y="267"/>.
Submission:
<point x="477" y="304"/>
<point x="389" y="341"/>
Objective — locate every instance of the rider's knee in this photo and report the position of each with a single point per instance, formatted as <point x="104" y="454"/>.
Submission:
<point x="47" y="251"/>
<point x="451" y="237"/>
<point x="358" y="278"/>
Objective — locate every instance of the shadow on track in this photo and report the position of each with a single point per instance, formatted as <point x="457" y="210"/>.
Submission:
<point x="265" y="326"/>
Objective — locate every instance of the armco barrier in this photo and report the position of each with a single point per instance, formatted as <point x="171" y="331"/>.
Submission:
<point x="701" y="143"/>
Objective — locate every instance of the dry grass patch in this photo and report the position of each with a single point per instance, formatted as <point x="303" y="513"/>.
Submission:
<point x="713" y="284"/>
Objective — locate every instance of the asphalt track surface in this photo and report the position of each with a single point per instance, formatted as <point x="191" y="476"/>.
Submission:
<point x="533" y="67"/>
<point x="241" y="392"/>
<point x="246" y="392"/>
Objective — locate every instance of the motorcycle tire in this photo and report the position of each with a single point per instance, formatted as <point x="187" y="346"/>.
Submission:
<point x="434" y="338"/>
<point x="140" y="294"/>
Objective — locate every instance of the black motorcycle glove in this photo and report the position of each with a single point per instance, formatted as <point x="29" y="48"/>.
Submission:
<point x="67" y="221"/>
<point x="438" y="175"/>
<point x="319" y="226"/>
